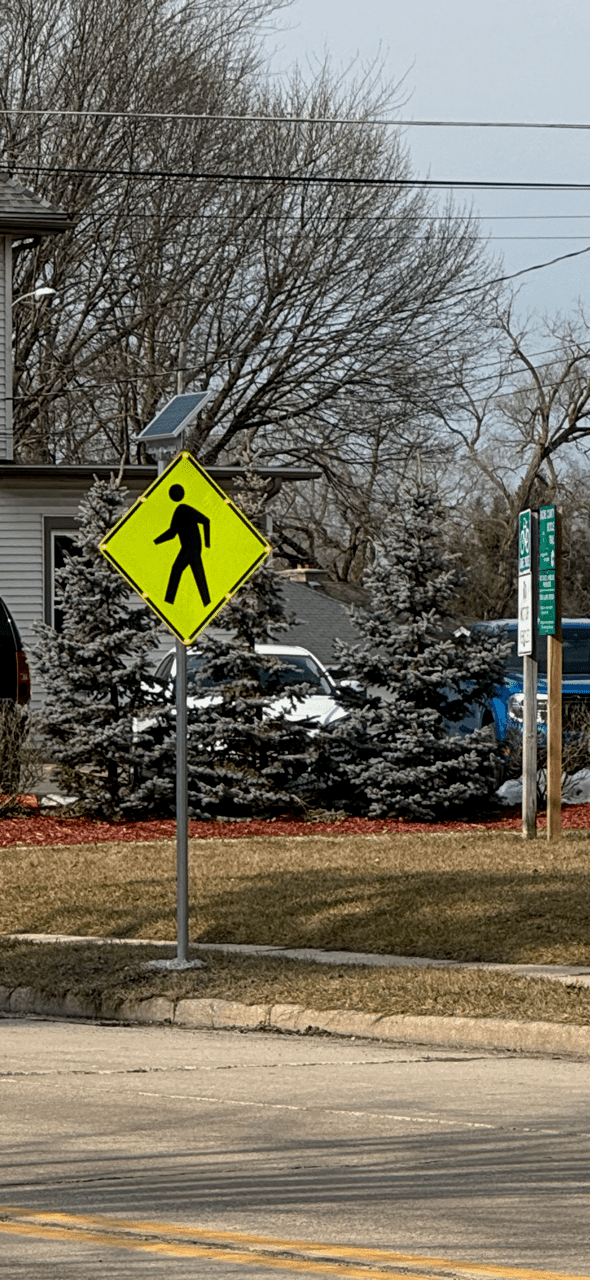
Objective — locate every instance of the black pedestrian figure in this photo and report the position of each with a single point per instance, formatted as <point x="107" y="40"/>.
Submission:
<point x="185" y="525"/>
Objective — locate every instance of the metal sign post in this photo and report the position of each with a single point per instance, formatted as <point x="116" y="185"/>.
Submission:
<point x="186" y="549"/>
<point x="182" y="901"/>
<point x="527" y="648"/>
<point x="550" y="625"/>
<point x="181" y="807"/>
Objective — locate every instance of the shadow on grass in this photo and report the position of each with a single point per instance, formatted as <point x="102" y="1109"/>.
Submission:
<point x="455" y="915"/>
<point x="452" y="915"/>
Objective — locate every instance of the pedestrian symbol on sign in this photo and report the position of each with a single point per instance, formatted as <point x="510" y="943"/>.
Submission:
<point x="524" y="542"/>
<point x="185" y="526"/>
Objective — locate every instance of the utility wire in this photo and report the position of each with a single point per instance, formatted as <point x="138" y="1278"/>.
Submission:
<point x="538" y="266"/>
<point x="310" y="179"/>
<point x="513" y="217"/>
<point x="290" y="120"/>
<point x="284" y="216"/>
<point x="495" y="238"/>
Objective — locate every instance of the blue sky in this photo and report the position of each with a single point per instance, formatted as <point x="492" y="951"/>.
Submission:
<point x="524" y="60"/>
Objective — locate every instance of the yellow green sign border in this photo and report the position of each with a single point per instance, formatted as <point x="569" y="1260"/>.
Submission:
<point x="188" y="457"/>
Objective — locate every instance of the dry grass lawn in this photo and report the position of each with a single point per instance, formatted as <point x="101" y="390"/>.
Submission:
<point x="461" y="896"/>
<point x="119" y="970"/>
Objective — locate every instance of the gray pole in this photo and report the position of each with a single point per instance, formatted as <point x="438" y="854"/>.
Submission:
<point x="181" y="761"/>
<point x="529" y="749"/>
<point x="528" y="598"/>
<point x="181" y="371"/>
<point x="181" y="807"/>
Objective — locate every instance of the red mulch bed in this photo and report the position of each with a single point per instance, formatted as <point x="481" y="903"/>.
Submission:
<point x="41" y="828"/>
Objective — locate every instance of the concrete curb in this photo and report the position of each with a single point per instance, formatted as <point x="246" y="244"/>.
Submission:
<point x="459" y="1033"/>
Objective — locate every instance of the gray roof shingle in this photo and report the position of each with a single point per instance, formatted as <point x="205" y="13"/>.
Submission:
<point x="320" y="621"/>
<point x="22" y="211"/>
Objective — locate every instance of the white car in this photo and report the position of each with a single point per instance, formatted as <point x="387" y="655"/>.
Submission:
<point x="319" y="704"/>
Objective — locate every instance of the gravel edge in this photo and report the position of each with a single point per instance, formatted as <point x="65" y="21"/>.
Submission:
<point x="460" y="1033"/>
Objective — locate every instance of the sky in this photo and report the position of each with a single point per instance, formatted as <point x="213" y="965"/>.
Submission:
<point x="509" y="60"/>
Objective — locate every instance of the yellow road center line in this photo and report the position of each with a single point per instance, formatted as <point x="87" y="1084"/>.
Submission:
<point x="90" y="1228"/>
<point x="169" y="1250"/>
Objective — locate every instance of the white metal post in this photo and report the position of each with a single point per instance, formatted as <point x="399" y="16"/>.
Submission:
<point x="527" y="649"/>
<point x="554" y="700"/>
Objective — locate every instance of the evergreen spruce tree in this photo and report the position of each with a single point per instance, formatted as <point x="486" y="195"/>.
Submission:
<point x="246" y="757"/>
<point x="96" y="671"/>
<point x="402" y="753"/>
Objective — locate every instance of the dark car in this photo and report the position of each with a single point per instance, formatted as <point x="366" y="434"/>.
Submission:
<point x="15" y="678"/>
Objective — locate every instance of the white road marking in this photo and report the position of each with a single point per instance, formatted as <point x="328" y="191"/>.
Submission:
<point x="332" y="1111"/>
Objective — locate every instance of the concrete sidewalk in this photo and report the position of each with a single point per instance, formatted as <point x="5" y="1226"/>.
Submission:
<point x="571" y="975"/>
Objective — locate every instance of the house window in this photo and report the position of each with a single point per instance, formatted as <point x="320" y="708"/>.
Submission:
<point x="59" y="540"/>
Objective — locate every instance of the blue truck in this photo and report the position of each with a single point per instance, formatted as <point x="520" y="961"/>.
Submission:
<point x="504" y="712"/>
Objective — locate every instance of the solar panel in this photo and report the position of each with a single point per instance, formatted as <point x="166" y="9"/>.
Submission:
<point x="175" y="417"/>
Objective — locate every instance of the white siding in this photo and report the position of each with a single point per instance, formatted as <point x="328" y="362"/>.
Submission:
<point x="5" y="347"/>
<point x="21" y="555"/>
<point x="22" y="581"/>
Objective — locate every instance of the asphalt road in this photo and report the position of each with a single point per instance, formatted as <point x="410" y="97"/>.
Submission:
<point x="155" y="1152"/>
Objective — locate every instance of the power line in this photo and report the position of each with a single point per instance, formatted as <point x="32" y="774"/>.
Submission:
<point x="507" y="217"/>
<point x="113" y="381"/>
<point x="495" y="238"/>
<point x="310" y="179"/>
<point x="284" y="216"/>
<point x="206" y="116"/>
<point x="517" y="217"/>
<point x="538" y="266"/>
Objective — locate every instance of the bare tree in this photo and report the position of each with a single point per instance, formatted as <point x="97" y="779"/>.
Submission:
<point x="334" y="520"/>
<point x="520" y="430"/>
<point x="114" y="280"/>
<point x="288" y="265"/>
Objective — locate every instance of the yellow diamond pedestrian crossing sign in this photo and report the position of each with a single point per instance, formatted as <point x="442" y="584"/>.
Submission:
<point x="185" y="547"/>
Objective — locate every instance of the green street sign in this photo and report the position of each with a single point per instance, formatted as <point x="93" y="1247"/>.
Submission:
<point x="547" y="581"/>
<point x="547" y="609"/>
<point x="546" y="539"/>
<point x="524" y="542"/>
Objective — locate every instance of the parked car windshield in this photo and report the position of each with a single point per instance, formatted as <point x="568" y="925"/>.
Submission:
<point x="576" y="652"/>
<point x="297" y="668"/>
